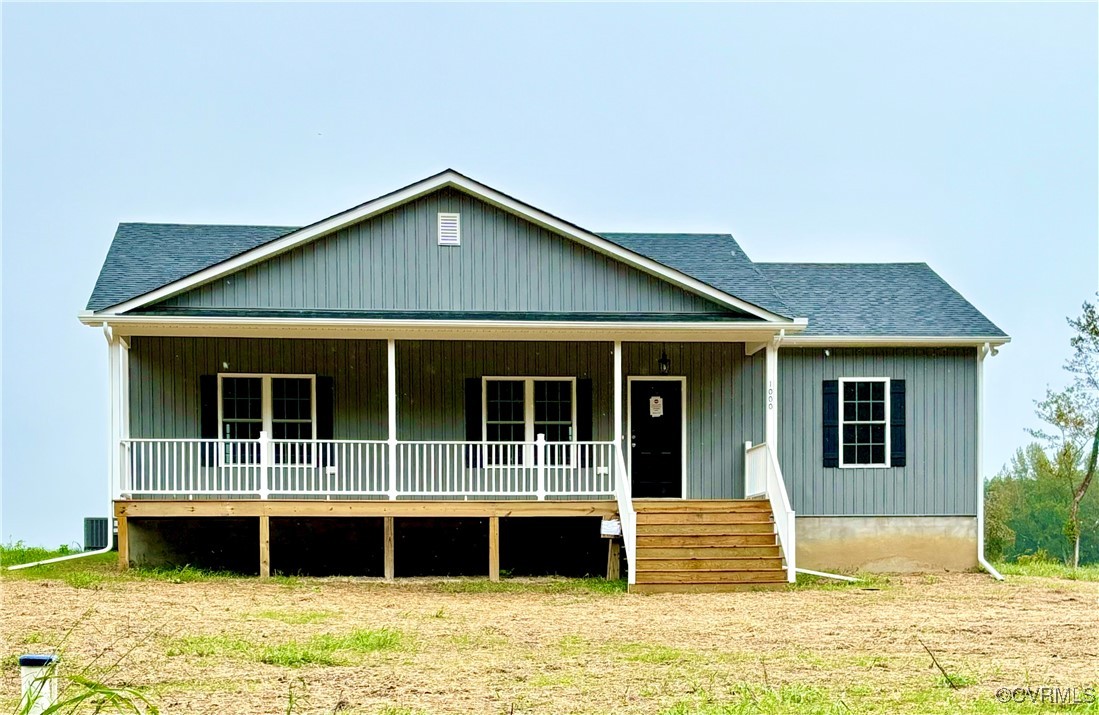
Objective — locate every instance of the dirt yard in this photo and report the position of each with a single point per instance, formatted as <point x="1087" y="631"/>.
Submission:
<point x="360" y="646"/>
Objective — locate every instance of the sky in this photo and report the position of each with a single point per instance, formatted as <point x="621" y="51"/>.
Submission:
<point x="963" y="135"/>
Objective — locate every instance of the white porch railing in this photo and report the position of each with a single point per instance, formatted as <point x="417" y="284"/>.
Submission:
<point x="763" y="477"/>
<point x="189" y="468"/>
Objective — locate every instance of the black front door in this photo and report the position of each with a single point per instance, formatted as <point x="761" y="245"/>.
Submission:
<point x="656" y="439"/>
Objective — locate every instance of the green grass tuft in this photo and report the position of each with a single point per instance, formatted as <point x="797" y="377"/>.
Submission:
<point x="295" y="618"/>
<point x="756" y="700"/>
<point x="653" y="654"/>
<point x="324" y="649"/>
<point x="1049" y="569"/>
<point x="540" y="585"/>
<point x="865" y="580"/>
<point x="19" y="553"/>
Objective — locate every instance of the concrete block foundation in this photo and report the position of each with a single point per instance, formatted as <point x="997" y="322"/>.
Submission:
<point x="887" y="544"/>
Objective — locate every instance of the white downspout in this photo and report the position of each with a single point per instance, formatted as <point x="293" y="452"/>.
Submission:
<point x="982" y="352"/>
<point x="113" y="363"/>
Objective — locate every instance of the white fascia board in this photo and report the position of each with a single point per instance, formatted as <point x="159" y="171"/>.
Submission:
<point x="351" y="328"/>
<point x="414" y="191"/>
<point x="854" y="341"/>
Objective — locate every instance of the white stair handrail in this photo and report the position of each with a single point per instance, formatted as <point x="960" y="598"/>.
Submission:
<point x="626" y="514"/>
<point x="761" y="458"/>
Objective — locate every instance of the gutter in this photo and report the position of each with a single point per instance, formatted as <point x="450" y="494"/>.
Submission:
<point x="108" y="334"/>
<point x="841" y="341"/>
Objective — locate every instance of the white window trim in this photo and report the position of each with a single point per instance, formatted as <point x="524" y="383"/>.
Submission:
<point x="528" y="403"/>
<point x="267" y="403"/>
<point x="888" y="422"/>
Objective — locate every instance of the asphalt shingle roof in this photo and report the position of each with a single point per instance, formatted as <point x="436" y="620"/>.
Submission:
<point x="146" y="256"/>
<point x="876" y="299"/>
<point x="842" y="299"/>
<point x="716" y="259"/>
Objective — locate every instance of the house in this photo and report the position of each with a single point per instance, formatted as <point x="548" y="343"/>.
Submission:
<point x="446" y="351"/>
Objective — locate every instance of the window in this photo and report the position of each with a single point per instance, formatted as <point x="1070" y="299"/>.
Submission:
<point x="520" y="409"/>
<point x="864" y="422"/>
<point x="283" y="406"/>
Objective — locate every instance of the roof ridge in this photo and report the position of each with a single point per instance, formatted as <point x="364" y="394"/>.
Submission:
<point x="664" y="233"/>
<point x="842" y="263"/>
<point x="204" y="225"/>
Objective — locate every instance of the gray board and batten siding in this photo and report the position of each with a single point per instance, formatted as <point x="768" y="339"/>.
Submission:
<point x="940" y="475"/>
<point x="165" y="401"/>
<point x="725" y="389"/>
<point x="392" y="262"/>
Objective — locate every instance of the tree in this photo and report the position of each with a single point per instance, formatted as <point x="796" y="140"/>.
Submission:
<point x="1074" y="415"/>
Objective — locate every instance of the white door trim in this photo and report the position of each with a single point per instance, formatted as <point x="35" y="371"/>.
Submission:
<point x="682" y="380"/>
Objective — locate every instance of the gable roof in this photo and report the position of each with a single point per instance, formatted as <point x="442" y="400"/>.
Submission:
<point x="447" y="178"/>
<point x="876" y="299"/>
<point x="148" y="261"/>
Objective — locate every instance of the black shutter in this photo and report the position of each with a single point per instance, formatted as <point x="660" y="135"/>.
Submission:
<point x="473" y="420"/>
<point x="326" y="407"/>
<point x="584" y="417"/>
<point x="830" y="419"/>
<point x="897" y="437"/>
<point x="208" y="414"/>
<point x="326" y="417"/>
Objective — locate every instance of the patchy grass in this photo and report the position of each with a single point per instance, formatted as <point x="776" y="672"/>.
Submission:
<point x="219" y="643"/>
<point x="324" y="649"/>
<point x="19" y="553"/>
<point x="866" y="581"/>
<point x="763" y="701"/>
<point x="1049" y="569"/>
<point x="522" y="585"/>
<point x="654" y="654"/>
<point x="295" y="618"/>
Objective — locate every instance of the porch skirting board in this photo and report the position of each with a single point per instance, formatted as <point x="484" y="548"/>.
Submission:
<point x="369" y="507"/>
<point x="887" y="544"/>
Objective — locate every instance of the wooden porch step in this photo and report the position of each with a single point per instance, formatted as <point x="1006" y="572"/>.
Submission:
<point x="736" y="563"/>
<point x="705" y="587"/>
<point x="760" y="527"/>
<point x="707" y="552"/>
<point x="698" y="576"/>
<point x="706" y="546"/>
<point x="705" y="517"/>
<point x="696" y="540"/>
<point x="696" y="506"/>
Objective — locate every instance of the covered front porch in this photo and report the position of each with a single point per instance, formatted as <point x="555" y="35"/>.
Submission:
<point x="226" y="417"/>
<point x="407" y="427"/>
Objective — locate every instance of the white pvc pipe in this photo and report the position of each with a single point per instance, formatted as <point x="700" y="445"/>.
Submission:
<point x="822" y="574"/>
<point x="111" y="368"/>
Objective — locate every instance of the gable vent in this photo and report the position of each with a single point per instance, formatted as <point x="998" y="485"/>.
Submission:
<point x="449" y="230"/>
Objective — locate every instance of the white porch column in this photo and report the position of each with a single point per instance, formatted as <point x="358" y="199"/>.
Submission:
<point x="123" y="412"/>
<point x="618" y="394"/>
<point x="771" y="421"/>
<point x="113" y="407"/>
<point x="391" y="380"/>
